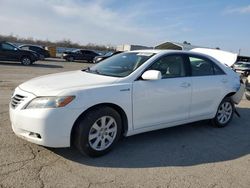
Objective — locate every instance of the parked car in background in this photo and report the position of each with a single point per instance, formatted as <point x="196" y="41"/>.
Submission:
<point x="43" y="53"/>
<point x="9" y="52"/>
<point x="127" y="94"/>
<point x="247" y="84"/>
<point x="237" y="64"/>
<point x="79" y="54"/>
<point x="105" y="56"/>
<point x="243" y="68"/>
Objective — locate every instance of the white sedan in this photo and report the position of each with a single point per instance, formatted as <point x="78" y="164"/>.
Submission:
<point x="127" y="94"/>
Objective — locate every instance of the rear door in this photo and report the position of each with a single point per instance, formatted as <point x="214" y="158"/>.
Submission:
<point x="209" y="83"/>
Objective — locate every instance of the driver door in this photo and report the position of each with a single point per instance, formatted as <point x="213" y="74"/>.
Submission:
<point x="167" y="100"/>
<point x="8" y="52"/>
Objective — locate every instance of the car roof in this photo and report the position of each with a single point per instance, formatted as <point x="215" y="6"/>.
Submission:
<point x="171" y="51"/>
<point x="30" y="45"/>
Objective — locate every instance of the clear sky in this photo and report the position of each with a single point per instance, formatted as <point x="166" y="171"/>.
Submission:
<point x="213" y="23"/>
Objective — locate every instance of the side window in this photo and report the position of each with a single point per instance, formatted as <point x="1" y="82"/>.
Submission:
<point x="217" y="70"/>
<point x="83" y="52"/>
<point x="33" y="48"/>
<point x="88" y="52"/>
<point x="170" y="66"/>
<point x="204" y="67"/>
<point x="93" y="53"/>
<point x="7" y="46"/>
<point x="25" y="48"/>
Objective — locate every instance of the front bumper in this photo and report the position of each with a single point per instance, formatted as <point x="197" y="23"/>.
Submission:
<point x="47" y="127"/>
<point x="239" y="94"/>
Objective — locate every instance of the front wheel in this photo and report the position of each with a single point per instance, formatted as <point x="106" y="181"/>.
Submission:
<point x="26" y="61"/>
<point x="98" y="131"/>
<point x="224" y="113"/>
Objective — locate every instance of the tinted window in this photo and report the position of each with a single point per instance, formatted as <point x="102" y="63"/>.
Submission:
<point x="34" y="48"/>
<point x="170" y="66"/>
<point x="204" y="67"/>
<point x="89" y="52"/>
<point x="217" y="70"/>
<point x="6" y="46"/>
<point x="25" y="47"/>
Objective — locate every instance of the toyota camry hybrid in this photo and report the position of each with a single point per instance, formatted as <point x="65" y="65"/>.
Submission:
<point x="127" y="94"/>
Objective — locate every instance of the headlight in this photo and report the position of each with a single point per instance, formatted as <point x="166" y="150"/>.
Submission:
<point x="98" y="59"/>
<point x="49" y="102"/>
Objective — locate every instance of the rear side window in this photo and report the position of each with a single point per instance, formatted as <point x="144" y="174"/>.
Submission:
<point x="89" y="52"/>
<point x="25" y="47"/>
<point x="34" y="48"/>
<point x="204" y="67"/>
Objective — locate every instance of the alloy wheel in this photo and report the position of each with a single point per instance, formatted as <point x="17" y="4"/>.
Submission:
<point x="225" y="112"/>
<point x="102" y="133"/>
<point x="26" y="61"/>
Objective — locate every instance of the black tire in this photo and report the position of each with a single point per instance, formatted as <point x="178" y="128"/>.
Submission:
<point x="42" y="57"/>
<point x="248" y="97"/>
<point x="86" y="125"/>
<point x="224" y="113"/>
<point x="70" y="59"/>
<point x="26" y="61"/>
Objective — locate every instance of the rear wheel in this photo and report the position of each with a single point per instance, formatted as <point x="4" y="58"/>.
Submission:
<point x="98" y="131"/>
<point x="26" y="61"/>
<point x="248" y="97"/>
<point x="224" y="113"/>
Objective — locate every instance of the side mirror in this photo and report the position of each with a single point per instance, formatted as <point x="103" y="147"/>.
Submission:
<point x="15" y="49"/>
<point x="151" y="75"/>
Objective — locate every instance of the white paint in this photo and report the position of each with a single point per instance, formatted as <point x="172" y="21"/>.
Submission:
<point x="148" y="104"/>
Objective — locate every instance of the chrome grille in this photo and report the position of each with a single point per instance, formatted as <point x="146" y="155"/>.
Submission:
<point x="16" y="100"/>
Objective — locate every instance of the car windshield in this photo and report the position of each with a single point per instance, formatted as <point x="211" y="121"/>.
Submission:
<point x="120" y="65"/>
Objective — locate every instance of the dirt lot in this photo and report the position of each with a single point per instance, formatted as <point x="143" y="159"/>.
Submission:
<point x="194" y="155"/>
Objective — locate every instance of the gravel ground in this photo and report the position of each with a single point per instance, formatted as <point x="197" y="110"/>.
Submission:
<point x="193" y="155"/>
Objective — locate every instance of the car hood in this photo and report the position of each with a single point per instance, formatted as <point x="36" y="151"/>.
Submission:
<point x="54" y="84"/>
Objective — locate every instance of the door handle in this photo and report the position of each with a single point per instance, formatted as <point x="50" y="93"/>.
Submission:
<point x="185" y="85"/>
